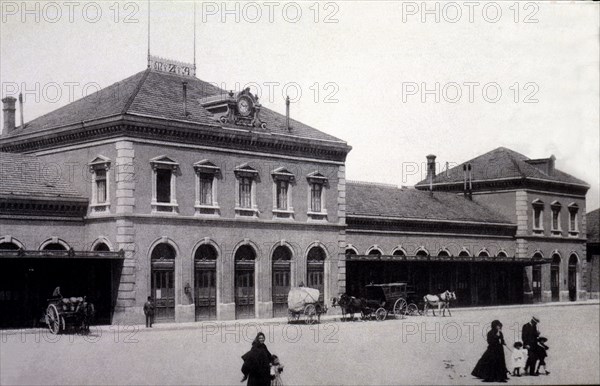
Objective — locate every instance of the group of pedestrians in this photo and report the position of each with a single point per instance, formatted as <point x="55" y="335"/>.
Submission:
<point x="260" y="367"/>
<point x="529" y="355"/>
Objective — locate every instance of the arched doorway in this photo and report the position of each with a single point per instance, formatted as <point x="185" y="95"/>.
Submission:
<point x="555" y="278"/>
<point x="281" y="260"/>
<point x="205" y="282"/>
<point x="536" y="279"/>
<point x="572" y="280"/>
<point x="163" y="281"/>
<point x="244" y="282"/>
<point x="315" y="270"/>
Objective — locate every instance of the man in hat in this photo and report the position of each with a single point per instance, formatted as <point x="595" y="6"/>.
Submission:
<point x="529" y="335"/>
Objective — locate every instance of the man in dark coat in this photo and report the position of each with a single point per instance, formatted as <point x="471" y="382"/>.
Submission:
<point x="530" y="335"/>
<point x="149" y="311"/>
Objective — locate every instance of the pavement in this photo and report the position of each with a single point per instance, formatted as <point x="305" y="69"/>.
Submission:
<point x="415" y="350"/>
<point x="332" y="317"/>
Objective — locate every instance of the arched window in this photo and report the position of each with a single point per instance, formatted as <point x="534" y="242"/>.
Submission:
<point x="9" y="246"/>
<point x="422" y="253"/>
<point x="399" y="252"/>
<point x="443" y="253"/>
<point x="536" y="278"/>
<point x="464" y="253"/>
<point x="484" y="253"/>
<point x="101" y="247"/>
<point x="54" y="247"/>
<point x="375" y="252"/>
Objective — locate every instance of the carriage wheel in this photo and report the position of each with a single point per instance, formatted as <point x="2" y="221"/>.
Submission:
<point x="412" y="309"/>
<point x="380" y="314"/>
<point x="399" y="307"/>
<point x="310" y="311"/>
<point x="53" y="319"/>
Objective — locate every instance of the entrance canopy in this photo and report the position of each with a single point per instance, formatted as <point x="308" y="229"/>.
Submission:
<point x="450" y="259"/>
<point x="70" y="254"/>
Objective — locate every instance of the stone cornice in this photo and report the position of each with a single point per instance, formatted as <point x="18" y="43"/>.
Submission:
<point x="175" y="132"/>
<point x="31" y="207"/>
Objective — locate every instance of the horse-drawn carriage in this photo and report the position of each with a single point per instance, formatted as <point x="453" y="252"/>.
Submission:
<point x="73" y="312"/>
<point x="305" y="301"/>
<point x="380" y="301"/>
<point x="390" y="299"/>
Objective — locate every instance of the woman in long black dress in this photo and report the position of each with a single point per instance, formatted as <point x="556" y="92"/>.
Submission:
<point x="257" y="363"/>
<point x="492" y="366"/>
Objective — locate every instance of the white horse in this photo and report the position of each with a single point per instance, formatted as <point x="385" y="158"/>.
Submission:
<point x="441" y="300"/>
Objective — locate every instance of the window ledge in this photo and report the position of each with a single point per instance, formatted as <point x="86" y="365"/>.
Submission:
<point x="207" y="210"/>
<point x="317" y="216"/>
<point x="556" y="233"/>
<point x="573" y="233"/>
<point x="246" y="212"/>
<point x="538" y="231"/>
<point x="165" y="207"/>
<point x="283" y="214"/>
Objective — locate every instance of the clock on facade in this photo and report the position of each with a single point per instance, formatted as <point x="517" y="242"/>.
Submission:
<point x="244" y="105"/>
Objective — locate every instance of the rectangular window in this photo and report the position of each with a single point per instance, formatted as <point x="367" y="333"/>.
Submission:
<point x="100" y="186"/>
<point x="163" y="185"/>
<point x="206" y="186"/>
<point x="555" y="215"/>
<point x="537" y="217"/>
<point x="315" y="197"/>
<point x="282" y="195"/>
<point x="245" y="192"/>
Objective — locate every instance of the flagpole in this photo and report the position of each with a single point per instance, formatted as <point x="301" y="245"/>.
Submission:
<point x="148" y="33"/>
<point x="194" y="37"/>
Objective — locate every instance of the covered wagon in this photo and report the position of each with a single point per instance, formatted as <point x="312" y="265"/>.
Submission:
<point x="305" y="301"/>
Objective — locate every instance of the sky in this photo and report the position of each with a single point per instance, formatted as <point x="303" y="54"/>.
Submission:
<point x="396" y="80"/>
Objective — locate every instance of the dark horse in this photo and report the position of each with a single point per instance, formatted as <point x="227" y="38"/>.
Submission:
<point x="349" y="305"/>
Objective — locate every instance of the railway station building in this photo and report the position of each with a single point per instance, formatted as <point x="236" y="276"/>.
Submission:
<point x="164" y="185"/>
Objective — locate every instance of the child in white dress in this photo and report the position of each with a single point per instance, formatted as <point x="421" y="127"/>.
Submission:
<point x="276" y="370"/>
<point x="519" y="358"/>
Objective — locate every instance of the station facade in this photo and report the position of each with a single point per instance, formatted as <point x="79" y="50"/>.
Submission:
<point x="163" y="185"/>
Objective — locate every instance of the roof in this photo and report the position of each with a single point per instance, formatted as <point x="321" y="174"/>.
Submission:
<point x="158" y="94"/>
<point x="592" y="221"/>
<point x="501" y="163"/>
<point x="369" y="199"/>
<point x="23" y="176"/>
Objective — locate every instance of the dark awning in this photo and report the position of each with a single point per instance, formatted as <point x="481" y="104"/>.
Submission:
<point x="450" y="259"/>
<point x="70" y="254"/>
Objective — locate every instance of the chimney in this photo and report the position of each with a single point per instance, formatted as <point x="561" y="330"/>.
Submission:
<point x="430" y="170"/>
<point x="551" y="161"/>
<point x="185" y="112"/>
<point x="470" y="173"/>
<point x="21" y="109"/>
<point x="8" y="108"/>
<point x="287" y="113"/>
<point x="465" y="179"/>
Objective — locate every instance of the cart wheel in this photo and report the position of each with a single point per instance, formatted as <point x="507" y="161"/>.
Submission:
<point x="380" y="314"/>
<point x="53" y="320"/>
<point x="399" y="308"/>
<point x="412" y="310"/>
<point x="310" y="312"/>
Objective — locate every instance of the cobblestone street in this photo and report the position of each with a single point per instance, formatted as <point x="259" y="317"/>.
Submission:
<point x="422" y="350"/>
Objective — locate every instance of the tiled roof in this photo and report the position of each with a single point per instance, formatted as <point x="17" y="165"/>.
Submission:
<point x="500" y="163"/>
<point x="24" y="176"/>
<point x="160" y="95"/>
<point x="592" y="222"/>
<point x="407" y="203"/>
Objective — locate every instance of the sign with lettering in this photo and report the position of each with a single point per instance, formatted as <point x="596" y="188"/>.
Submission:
<point x="171" y="66"/>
